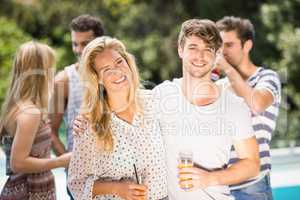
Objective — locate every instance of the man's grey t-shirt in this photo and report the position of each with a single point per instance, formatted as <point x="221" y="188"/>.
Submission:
<point x="74" y="102"/>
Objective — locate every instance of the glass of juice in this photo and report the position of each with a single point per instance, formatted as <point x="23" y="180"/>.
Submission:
<point x="185" y="159"/>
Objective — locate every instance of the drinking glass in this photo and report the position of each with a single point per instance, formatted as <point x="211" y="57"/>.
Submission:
<point x="185" y="160"/>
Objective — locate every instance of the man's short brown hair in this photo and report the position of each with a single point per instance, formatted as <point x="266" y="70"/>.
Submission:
<point x="243" y="27"/>
<point x="202" y="28"/>
<point x="84" y="23"/>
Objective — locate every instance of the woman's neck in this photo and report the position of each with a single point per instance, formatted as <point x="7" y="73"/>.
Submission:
<point x="118" y="101"/>
<point x="122" y="106"/>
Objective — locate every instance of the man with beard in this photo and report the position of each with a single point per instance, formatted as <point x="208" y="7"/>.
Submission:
<point x="260" y="88"/>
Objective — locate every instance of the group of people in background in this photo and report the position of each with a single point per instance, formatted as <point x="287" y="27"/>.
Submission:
<point x="123" y="141"/>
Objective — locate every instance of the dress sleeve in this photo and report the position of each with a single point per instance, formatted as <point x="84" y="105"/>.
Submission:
<point x="156" y="176"/>
<point x="81" y="177"/>
<point x="154" y="155"/>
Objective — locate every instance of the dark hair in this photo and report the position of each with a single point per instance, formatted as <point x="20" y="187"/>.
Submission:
<point x="243" y="27"/>
<point x="85" y="23"/>
<point x="202" y="28"/>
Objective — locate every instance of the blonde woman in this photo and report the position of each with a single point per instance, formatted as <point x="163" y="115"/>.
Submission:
<point x="24" y="128"/>
<point x="120" y="155"/>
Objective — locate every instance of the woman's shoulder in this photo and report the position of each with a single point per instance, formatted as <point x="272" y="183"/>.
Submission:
<point x="146" y="97"/>
<point x="145" y="92"/>
<point x="23" y="111"/>
<point x="28" y="113"/>
<point x="28" y="109"/>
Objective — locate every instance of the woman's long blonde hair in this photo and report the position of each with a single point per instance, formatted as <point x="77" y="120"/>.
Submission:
<point x="95" y="102"/>
<point x="31" y="75"/>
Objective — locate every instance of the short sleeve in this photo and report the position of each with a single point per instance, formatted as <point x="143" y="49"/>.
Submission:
<point x="153" y="153"/>
<point x="80" y="175"/>
<point x="241" y="120"/>
<point x="269" y="80"/>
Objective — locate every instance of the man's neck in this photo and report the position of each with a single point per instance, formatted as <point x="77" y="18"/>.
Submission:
<point x="199" y="91"/>
<point x="246" y="69"/>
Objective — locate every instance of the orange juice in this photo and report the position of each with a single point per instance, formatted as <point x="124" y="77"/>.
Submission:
<point x="185" y="161"/>
<point x="185" y="165"/>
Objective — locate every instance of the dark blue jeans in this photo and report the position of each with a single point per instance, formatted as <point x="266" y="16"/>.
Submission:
<point x="259" y="191"/>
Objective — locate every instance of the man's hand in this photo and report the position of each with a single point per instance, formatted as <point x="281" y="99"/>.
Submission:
<point x="196" y="177"/>
<point x="222" y="64"/>
<point x="79" y="125"/>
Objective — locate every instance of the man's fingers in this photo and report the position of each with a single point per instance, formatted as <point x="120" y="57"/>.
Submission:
<point x="79" y="124"/>
<point x="188" y="176"/>
<point x="189" y="170"/>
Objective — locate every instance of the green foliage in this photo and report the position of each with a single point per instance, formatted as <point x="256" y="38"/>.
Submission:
<point x="150" y="28"/>
<point x="282" y="20"/>
<point x="11" y="36"/>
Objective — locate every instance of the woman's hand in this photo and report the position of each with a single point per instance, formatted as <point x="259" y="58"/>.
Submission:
<point x="64" y="160"/>
<point x="79" y="125"/>
<point x="131" y="191"/>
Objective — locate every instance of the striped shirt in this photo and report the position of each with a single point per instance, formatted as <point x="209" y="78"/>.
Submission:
<point x="263" y="123"/>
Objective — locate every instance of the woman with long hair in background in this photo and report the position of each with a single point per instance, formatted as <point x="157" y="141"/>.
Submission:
<point x="24" y="127"/>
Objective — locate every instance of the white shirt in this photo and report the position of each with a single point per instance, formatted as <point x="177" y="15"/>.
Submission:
<point x="138" y="143"/>
<point x="208" y="131"/>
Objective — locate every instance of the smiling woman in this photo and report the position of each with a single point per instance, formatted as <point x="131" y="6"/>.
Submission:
<point x="113" y="70"/>
<point x="121" y="154"/>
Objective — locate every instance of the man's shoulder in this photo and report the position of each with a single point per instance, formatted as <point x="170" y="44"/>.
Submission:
<point x="265" y="72"/>
<point x="61" y="78"/>
<point x="223" y="81"/>
<point x="63" y="75"/>
<point x="232" y="100"/>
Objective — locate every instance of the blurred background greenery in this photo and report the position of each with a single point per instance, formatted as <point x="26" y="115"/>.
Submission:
<point x="150" y="28"/>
